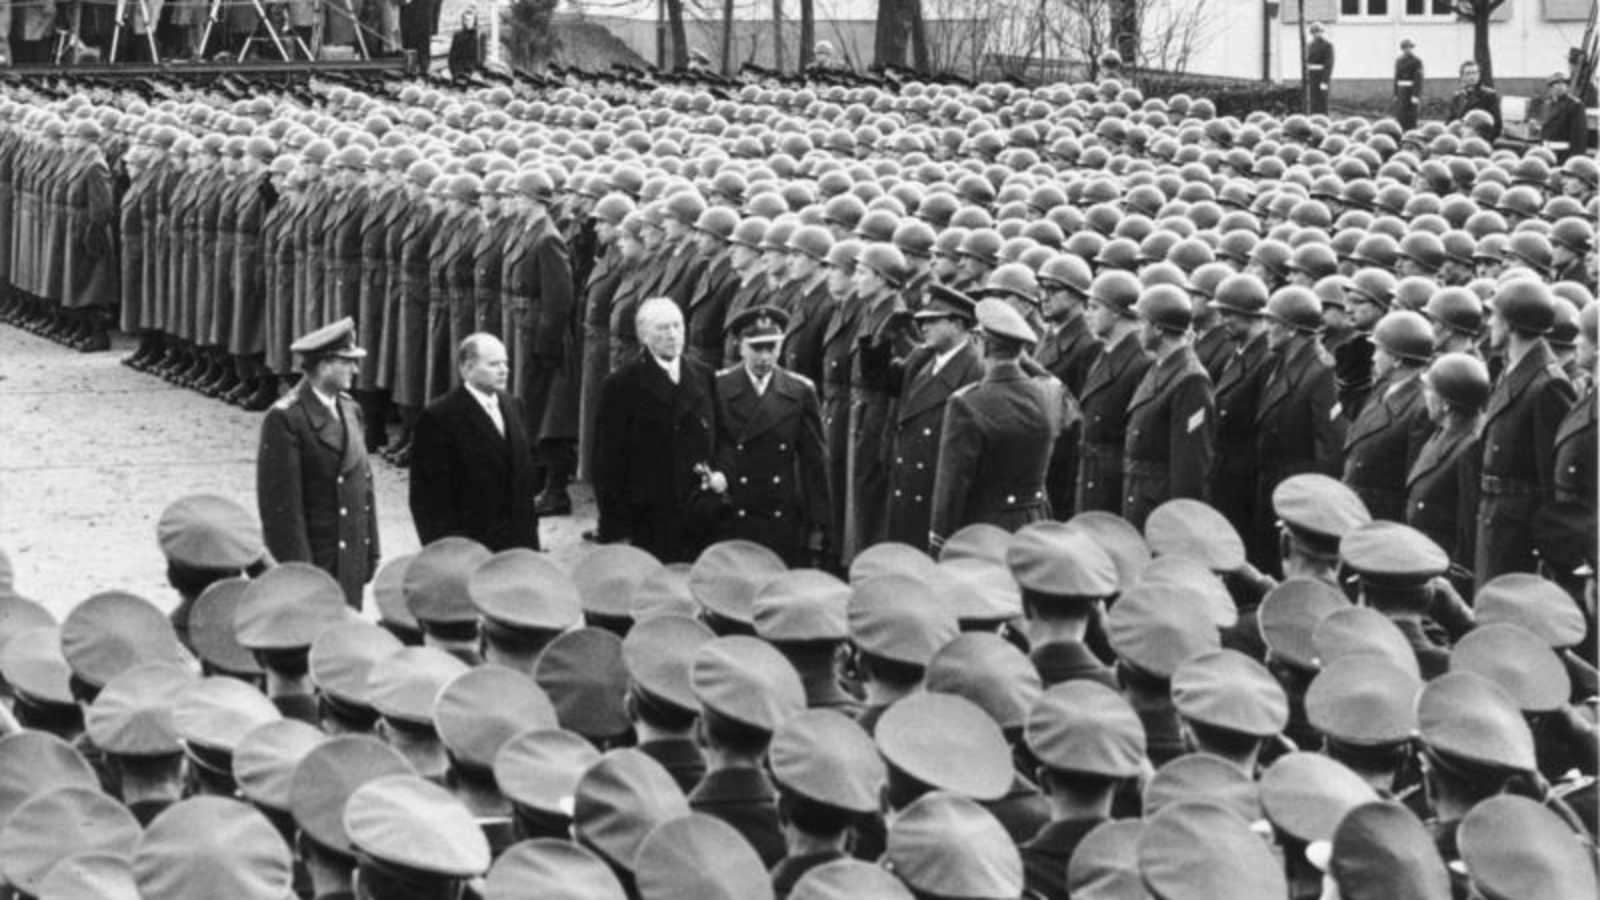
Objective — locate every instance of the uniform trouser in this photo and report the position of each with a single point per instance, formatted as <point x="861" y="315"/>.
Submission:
<point x="436" y="359"/>
<point x="596" y="365"/>
<point x="1100" y="478"/>
<point x="1319" y="99"/>
<point x="1505" y="524"/>
<point x="867" y="492"/>
<point x="836" y="434"/>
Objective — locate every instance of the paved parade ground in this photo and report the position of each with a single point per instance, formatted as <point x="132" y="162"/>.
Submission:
<point x="92" y="451"/>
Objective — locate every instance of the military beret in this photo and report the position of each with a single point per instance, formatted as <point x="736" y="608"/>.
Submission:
<point x="828" y="758"/>
<point x="403" y="684"/>
<point x="1083" y="726"/>
<point x="32" y="664"/>
<point x="991" y="672"/>
<point x="1363" y="701"/>
<point x="945" y="845"/>
<point x="216" y="713"/>
<point x="1381" y="850"/>
<point x="110" y="633"/>
<point x="1307" y="794"/>
<point x="727" y="575"/>
<point x="337" y="339"/>
<point x="1203" y="776"/>
<point x="212" y="847"/>
<point x="342" y="657"/>
<point x="889" y="558"/>
<point x="522" y="589"/>
<point x="1318" y="505"/>
<point x="1184" y="527"/>
<point x="1537" y="604"/>
<point x="1514" y="847"/>
<point x="56" y="823"/>
<point x="980" y="540"/>
<point x="894" y="617"/>
<point x="1202" y="583"/>
<point x="802" y="605"/>
<point x="583" y="674"/>
<point x="408" y="821"/>
<point x="948" y="743"/>
<point x="620" y="800"/>
<point x="551" y="870"/>
<point x="1120" y="541"/>
<point x="1516" y="660"/>
<point x="35" y="761"/>
<point x="1391" y="553"/>
<point x="1469" y="717"/>
<point x="658" y="654"/>
<point x="849" y="879"/>
<point x="1361" y="631"/>
<point x="745" y="679"/>
<point x="1227" y="689"/>
<point x="436" y="581"/>
<point x="204" y="531"/>
<point x="699" y="856"/>
<point x="91" y="875"/>
<point x="288" y="606"/>
<point x="1155" y="627"/>
<point x="1061" y="560"/>
<point x="1105" y="864"/>
<point x="133" y="715"/>
<point x="664" y="592"/>
<point x="212" y="632"/>
<point x="1201" y="850"/>
<point x="264" y="760"/>
<point x="1289" y="615"/>
<point x="326" y="777"/>
<point x="607" y="578"/>
<point x="388" y="590"/>
<point x="540" y="768"/>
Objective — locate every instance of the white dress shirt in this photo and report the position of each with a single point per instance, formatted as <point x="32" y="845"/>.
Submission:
<point x="491" y="406"/>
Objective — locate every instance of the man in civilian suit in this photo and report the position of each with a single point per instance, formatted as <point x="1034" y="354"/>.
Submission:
<point x="471" y="460"/>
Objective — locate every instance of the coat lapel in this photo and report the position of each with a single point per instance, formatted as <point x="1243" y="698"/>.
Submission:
<point x="935" y="389"/>
<point x="321" y="419"/>
<point x="1435" y="453"/>
<point x="1517" y="380"/>
<point x="766" y="410"/>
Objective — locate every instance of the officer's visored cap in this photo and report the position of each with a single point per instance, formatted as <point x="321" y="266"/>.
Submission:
<point x="948" y="743"/>
<point x="212" y="631"/>
<point x="826" y="757"/>
<point x="727" y="575"/>
<point x="32" y="664"/>
<point x="551" y="870"/>
<point x="338" y="339"/>
<point x="403" y="685"/>
<point x="747" y="680"/>
<point x="213" y="847"/>
<point x="540" y="768"/>
<point x="946" y="845"/>
<point x="204" y="531"/>
<point x="980" y="540"/>
<point x="343" y="656"/>
<point x="435" y="583"/>
<point x="91" y="875"/>
<point x="889" y="558"/>
<point x="133" y="715"/>
<point x="1307" y="794"/>
<point x="1468" y="717"/>
<point x="1537" y="604"/>
<point x="849" y="879"/>
<point x="1105" y="864"/>
<point x="388" y="591"/>
<point x="1227" y="689"/>
<point x="1156" y="627"/>
<point x="1364" y="701"/>
<point x="1084" y="726"/>
<point x="1515" y="847"/>
<point x="1519" y="662"/>
<point x="57" y="823"/>
<point x="482" y="708"/>
<point x="410" y="822"/>
<point x="1391" y="553"/>
<point x="897" y="618"/>
<point x="948" y="303"/>
<point x="583" y="674"/>
<point x="1185" y="527"/>
<point x="658" y="654"/>
<point x="288" y="607"/>
<point x="520" y="588"/>
<point x="620" y="800"/>
<point x="1119" y="540"/>
<point x="759" y="325"/>
<point x="802" y="605"/>
<point x="1000" y="319"/>
<point x="977" y="590"/>
<point x="34" y="761"/>
<point x="1289" y="616"/>
<point x="265" y="759"/>
<point x="1201" y="850"/>
<point x="1061" y="560"/>
<point x="1381" y="850"/>
<point x="664" y="592"/>
<point x="699" y="856"/>
<point x="607" y="578"/>
<point x="1191" y="575"/>
<point x="112" y="632"/>
<point x="1203" y="776"/>
<point x="328" y="775"/>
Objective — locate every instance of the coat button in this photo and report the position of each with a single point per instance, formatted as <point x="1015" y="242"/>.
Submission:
<point x="919" y="498"/>
<point x="743" y="480"/>
<point x="1011" y="498"/>
<point x="777" y="479"/>
<point x="341" y="545"/>
<point x="343" y="511"/>
<point x="927" y="431"/>
<point x="897" y="494"/>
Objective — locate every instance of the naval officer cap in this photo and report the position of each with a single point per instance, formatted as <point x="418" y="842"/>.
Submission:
<point x="997" y="318"/>
<point x="109" y="633"/>
<point x="1120" y="541"/>
<point x="1514" y="847"/>
<point x="343" y="656"/>
<point x="212" y="630"/>
<point x="288" y="606"/>
<point x="204" y="531"/>
<point x="57" y="823"/>
<point x="337" y="340"/>
<point x="946" y="845"/>
<point x="1105" y="864"/>
<point x="1061" y="560"/>
<point x="213" y="847"/>
<point x="1289" y="616"/>
<point x="1306" y="795"/>
<point x="519" y="588"/>
<point x="803" y="605"/>
<point x="659" y="653"/>
<point x="1321" y="508"/>
<point x="607" y="578"/>
<point x="620" y="800"/>
<point x="435" y="584"/>
<point x="896" y="617"/>
<point x="826" y="757"/>
<point x="134" y="715"/>
<point x="91" y="875"/>
<point x="1227" y="689"/>
<point x="1185" y="527"/>
<point x="727" y="575"/>
<point x="403" y="685"/>
<point x="551" y="870"/>
<point x="34" y="761"/>
<point x="1469" y="718"/>
<point x="480" y="709"/>
<point x="699" y="856"/>
<point x="265" y="759"/>
<point x="1381" y="850"/>
<point x="759" y="325"/>
<point x="1202" y="850"/>
<point x="1537" y="604"/>
<point x="327" y="776"/>
<point x="1364" y="701"/>
<point x="948" y="743"/>
<point x="1392" y="554"/>
<point x="1207" y="777"/>
<point x="583" y="674"/>
<point x="1084" y="726"/>
<point x="849" y="879"/>
<point x="1361" y="631"/>
<point x="408" y="822"/>
<point x="1156" y="627"/>
<point x="747" y="680"/>
<point x="991" y="672"/>
<point x="1519" y="662"/>
<point x="540" y="769"/>
<point x="32" y="664"/>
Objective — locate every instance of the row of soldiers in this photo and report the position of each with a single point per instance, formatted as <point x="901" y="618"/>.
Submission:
<point x="1077" y="709"/>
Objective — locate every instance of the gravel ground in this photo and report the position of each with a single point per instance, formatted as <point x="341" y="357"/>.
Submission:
<point x="92" y="451"/>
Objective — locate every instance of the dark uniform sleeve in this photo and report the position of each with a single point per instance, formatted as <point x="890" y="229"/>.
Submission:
<point x="432" y="480"/>
<point x="279" y="490"/>
<point x="813" y="456"/>
<point x="1551" y="407"/>
<point x="556" y="300"/>
<point x="952" y="483"/>
<point x="1192" y="433"/>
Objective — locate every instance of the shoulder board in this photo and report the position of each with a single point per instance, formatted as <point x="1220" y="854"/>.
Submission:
<point x="1555" y="371"/>
<point x="287" y="400"/>
<point x="728" y="371"/>
<point x="965" y="389"/>
<point x="801" y="378"/>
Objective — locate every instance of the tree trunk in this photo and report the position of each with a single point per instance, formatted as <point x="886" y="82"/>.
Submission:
<point x="727" y="38"/>
<point x="919" y="37"/>
<point x="777" y="35"/>
<point x="677" y="35"/>
<point x="1305" y="67"/>
<point x="808" y="34"/>
<point x="889" y="41"/>
<point x="1480" y="39"/>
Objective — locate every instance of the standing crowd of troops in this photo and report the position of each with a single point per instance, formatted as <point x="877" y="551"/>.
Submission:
<point x="1035" y="489"/>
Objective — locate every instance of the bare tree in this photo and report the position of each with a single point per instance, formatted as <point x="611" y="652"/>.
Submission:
<point x="1477" y="12"/>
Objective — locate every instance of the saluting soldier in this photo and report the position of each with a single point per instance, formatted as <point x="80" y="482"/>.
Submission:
<point x="770" y="446"/>
<point x="313" y="484"/>
<point x="947" y="362"/>
<point x="1407" y="85"/>
<point x="1172" y="415"/>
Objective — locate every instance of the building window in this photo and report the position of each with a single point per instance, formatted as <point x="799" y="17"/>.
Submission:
<point x="1425" y="8"/>
<point x="1364" y="7"/>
